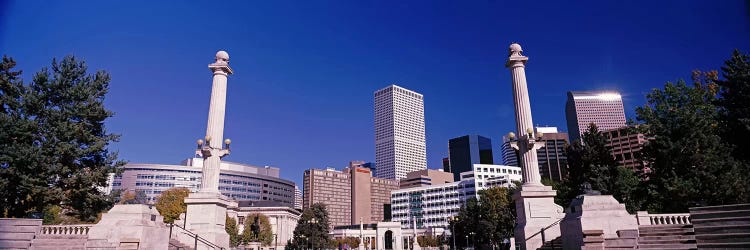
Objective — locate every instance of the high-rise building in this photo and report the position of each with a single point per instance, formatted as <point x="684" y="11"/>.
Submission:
<point x="349" y="195"/>
<point x="399" y="132"/>
<point x="446" y="164"/>
<point x="603" y="108"/>
<point x="332" y="188"/>
<point x="510" y="157"/>
<point x="425" y="177"/>
<point x="297" y="198"/>
<point x="626" y="144"/>
<point x="553" y="163"/>
<point x="467" y="150"/>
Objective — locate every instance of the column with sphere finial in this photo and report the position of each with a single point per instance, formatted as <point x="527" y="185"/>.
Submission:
<point x="207" y="209"/>
<point x="535" y="205"/>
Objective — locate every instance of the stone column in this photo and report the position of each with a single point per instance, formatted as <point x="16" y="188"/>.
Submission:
<point x="535" y="204"/>
<point x="207" y="209"/>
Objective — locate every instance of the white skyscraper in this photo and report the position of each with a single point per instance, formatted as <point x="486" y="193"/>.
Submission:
<point x="399" y="132"/>
<point x="603" y="108"/>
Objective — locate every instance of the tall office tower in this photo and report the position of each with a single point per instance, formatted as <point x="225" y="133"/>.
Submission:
<point x="447" y="164"/>
<point x="603" y="108"/>
<point x="297" y="198"/>
<point x="332" y="188"/>
<point x="399" y="132"/>
<point x="510" y="157"/>
<point x="553" y="164"/>
<point x="467" y="150"/>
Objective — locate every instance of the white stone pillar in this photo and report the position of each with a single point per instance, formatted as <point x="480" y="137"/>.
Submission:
<point x="207" y="209"/>
<point x="535" y="204"/>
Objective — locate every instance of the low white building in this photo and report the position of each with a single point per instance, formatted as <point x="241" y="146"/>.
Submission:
<point x="433" y="206"/>
<point x="283" y="219"/>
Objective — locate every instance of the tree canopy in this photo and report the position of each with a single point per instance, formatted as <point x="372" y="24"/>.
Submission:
<point x="54" y="140"/>
<point x="171" y="203"/>
<point x="257" y="229"/>
<point x="488" y="220"/>
<point x="308" y="233"/>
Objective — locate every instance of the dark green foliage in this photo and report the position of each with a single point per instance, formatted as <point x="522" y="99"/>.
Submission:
<point x="308" y="234"/>
<point x="734" y="104"/>
<point x="54" y="140"/>
<point x="590" y="161"/>
<point x="489" y="220"/>
<point x="257" y="229"/>
<point x="688" y="163"/>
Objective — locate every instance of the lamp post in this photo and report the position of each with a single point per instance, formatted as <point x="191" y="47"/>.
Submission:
<point x="472" y="240"/>
<point x="453" y="231"/>
<point x="276" y="241"/>
<point x="302" y="236"/>
<point x="467" y="241"/>
<point x="314" y="221"/>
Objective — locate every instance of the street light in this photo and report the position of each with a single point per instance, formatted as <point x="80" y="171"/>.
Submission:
<point x="312" y="239"/>
<point x="303" y="237"/>
<point x="453" y="230"/>
<point x="472" y="240"/>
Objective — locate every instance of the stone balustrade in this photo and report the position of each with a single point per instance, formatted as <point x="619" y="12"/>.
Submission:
<point x="644" y="218"/>
<point x="82" y="229"/>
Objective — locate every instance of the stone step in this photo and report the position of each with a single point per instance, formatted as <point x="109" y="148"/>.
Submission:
<point x="16" y="236"/>
<point x="57" y="248"/>
<point x="669" y="246"/>
<point x="665" y="226"/>
<point x="745" y="228"/>
<point x="23" y="229"/>
<point x="744" y="220"/>
<point x="662" y="242"/>
<point x="720" y="208"/>
<point x="11" y="244"/>
<point x="666" y="232"/>
<point x="725" y="237"/>
<point x="720" y="214"/>
<point x="725" y="245"/>
<point x="668" y="237"/>
<point x="20" y="222"/>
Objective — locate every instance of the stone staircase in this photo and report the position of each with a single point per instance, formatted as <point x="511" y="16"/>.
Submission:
<point x="174" y="244"/>
<point x="555" y="244"/>
<point x="55" y="242"/>
<point x="722" y="227"/>
<point x="666" y="237"/>
<point x="18" y="233"/>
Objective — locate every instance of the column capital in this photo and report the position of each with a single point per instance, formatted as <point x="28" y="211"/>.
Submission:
<point x="515" y="58"/>
<point x="221" y="65"/>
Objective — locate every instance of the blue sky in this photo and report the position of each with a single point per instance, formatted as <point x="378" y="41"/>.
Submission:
<point x="305" y="71"/>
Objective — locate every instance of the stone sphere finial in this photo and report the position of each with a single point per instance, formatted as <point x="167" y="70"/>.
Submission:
<point x="515" y="48"/>
<point x="222" y="56"/>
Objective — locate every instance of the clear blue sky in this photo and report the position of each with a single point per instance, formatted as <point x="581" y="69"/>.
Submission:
<point x="305" y="71"/>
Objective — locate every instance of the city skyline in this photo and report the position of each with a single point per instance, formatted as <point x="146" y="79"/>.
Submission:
<point x="312" y="99"/>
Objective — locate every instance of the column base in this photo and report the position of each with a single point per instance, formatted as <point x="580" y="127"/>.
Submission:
<point x="206" y="216"/>
<point x="536" y="209"/>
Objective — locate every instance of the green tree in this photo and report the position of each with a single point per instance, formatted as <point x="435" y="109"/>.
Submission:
<point x="54" y="140"/>
<point x="231" y="227"/>
<point x="309" y="233"/>
<point x="257" y="229"/>
<point x="488" y="220"/>
<point x="734" y="104"/>
<point x="171" y="203"/>
<point x="590" y="161"/>
<point x="688" y="163"/>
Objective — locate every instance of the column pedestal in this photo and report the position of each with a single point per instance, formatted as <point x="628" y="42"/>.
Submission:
<point x="206" y="216"/>
<point x="536" y="209"/>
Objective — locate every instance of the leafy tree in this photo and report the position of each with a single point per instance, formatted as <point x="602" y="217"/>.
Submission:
<point x="307" y="233"/>
<point x="171" y="203"/>
<point x="734" y="104"/>
<point x="54" y="140"/>
<point x="257" y="229"/>
<point x="233" y="231"/>
<point x="52" y="215"/>
<point x="688" y="163"/>
<point x="489" y="220"/>
<point x="590" y="161"/>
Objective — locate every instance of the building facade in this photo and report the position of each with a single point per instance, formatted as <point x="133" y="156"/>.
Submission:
<point x="603" y="108"/>
<point x="426" y="177"/>
<point x="467" y="150"/>
<point x="626" y="145"/>
<point x="553" y="162"/>
<point x="237" y="181"/>
<point x="283" y="220"/>
<point x="510" y="157"/>
<point x="399" y="132"/>
<point x="432" y="206"/>
<point x="297" y="198"/>
<point x="349" y="195"/>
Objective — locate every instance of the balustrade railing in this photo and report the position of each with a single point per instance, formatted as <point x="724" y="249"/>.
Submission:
<point x="644" y="218"/>
<point x="66" y="229"/>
